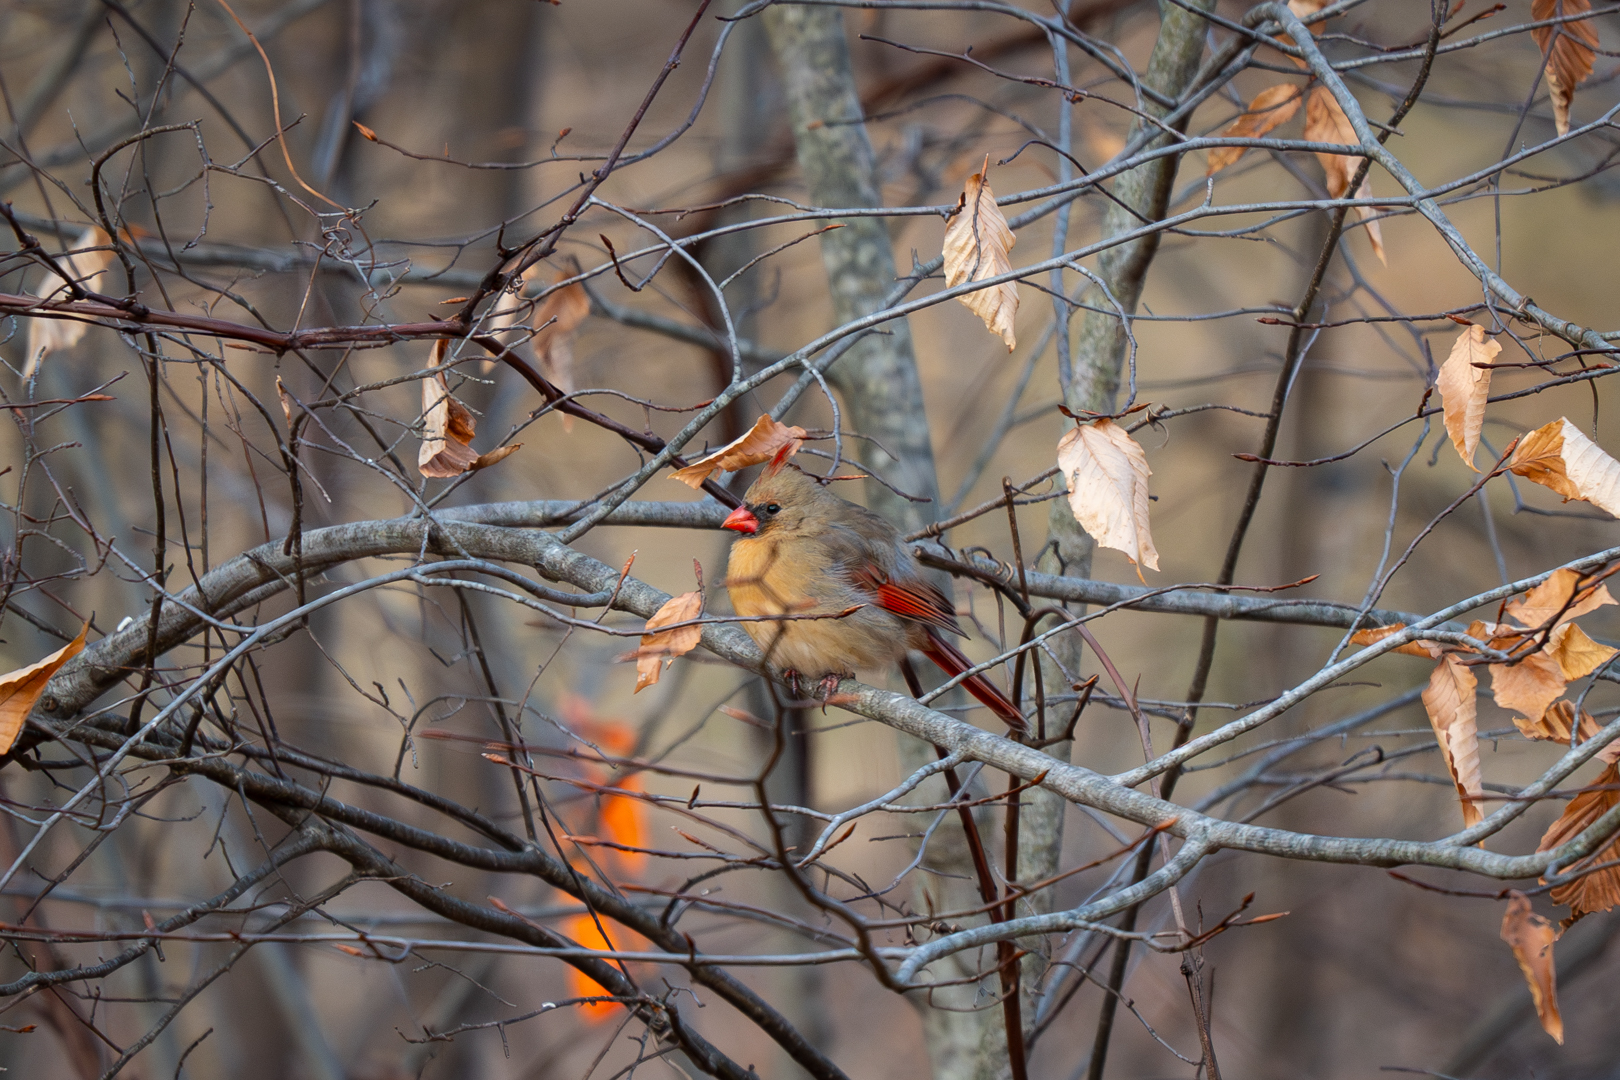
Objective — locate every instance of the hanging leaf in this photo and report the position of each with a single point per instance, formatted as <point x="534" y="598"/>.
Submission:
<point x="1570" y="61"/>
<point x="759" y="443"/>
<point x="1325" y="121"/>
<point x="1464" y="386"/>
<point x="1107" y="474"/>
<point x="555" y="321"/>
<point x="1556" y="598"/>
<point x="21" y="689"/>
<point x="1554" y="726"/>
<point x="87" y="267"/>
<point x="1576" y="654"/>
<point x="1528" y="685"/>
<point x="659" y="650"/>
<point x="1598" y="891"/>
<point x="1531" y="938"/>
<point x="447" y="425"/>
<point x="977" y="242"/>
<point x="500" y="453"/>
<point x="448" y="428"/>
<point x="1559" y="457"/>
<point x="1449" y="701"/>
<point x="1271" y="108"/>
<point x="1375" y="634"/>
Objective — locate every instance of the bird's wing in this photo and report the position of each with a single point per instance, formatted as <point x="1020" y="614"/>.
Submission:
<point x="916" y="600"/>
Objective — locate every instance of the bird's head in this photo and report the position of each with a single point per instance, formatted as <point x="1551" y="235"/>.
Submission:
<point x="779" y="503"/>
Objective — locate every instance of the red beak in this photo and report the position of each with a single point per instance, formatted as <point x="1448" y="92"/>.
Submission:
<point x="741" y="520"/>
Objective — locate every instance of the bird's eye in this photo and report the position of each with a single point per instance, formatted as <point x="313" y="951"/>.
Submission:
<point x="771" y="508"/>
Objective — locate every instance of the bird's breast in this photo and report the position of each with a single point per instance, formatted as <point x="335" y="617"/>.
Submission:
<point x="768" y="577"/>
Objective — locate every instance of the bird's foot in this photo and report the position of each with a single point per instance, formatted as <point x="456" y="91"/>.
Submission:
<point x="827" y="688"/>
<point x="795" y="683"/>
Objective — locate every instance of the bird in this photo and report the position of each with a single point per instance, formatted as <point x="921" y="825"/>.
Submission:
<point x="803" y="551"/>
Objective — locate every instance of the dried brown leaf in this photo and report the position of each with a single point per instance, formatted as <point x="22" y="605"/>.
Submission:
<point x="21" y="689"/>
<point x="1107" y="474"/>
<point x="87" y="267"/>
<point x="1531" y="938"/>
<point x="1449" y="701"/>
<point x="1572" y="54"/>
<point x="759" y="443"/>
<point x="500" y="453"/>
<point x="977" y="243"/>
<point x="1529" y="685"/>
<point x="658" y="650"/>
<point x="1577" y="655"/>
<point x="1554" y="725"/>
<point x="1375" y="235"/>
<point x="286" y="401"/>
<point x="1325" y="121"/>
<point x="1464" y="387"/>
<point x="1559" y="457"/>
<point x="555" y="320"/>
<point x="1271" y="107"/>
<point x="1598" y="891"/>
<point x="448" y="426"/>
<point x="1373" y="635"/>
<point x="1556" y="598"/>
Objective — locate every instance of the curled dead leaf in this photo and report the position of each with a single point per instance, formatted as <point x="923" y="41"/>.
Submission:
<point x="87" y="268"/>
<point x="500" y="453"/>
<point x="555" y="320"/>
<point x="977" y="242"/>
<point x="1570" y="61"/>
<point x="1557" y="598"/>
<point x="1271" y="108"/>
<point x="1325" y="121"/>
<point x="1375" y="634"/>
<point x="448" y="427"/>
<point x="1577" y="655"/>
<point x="1531" y="684"/>
<point x="1464" y="386"/>
<point x="286" y="401"/>
<point x="659" y="650"/>
<point x="20" y="690"/>
<point x="1600" y="890"/>
<point x="1107" y="474"/>
<point x="1560" y="457"/>
<point x="1449" y="701"/>
<point x="1528" y="685"/>
<point x="759" y="443"/>
<point x="1554" y="726"/>
<point x="1531" y="938"/>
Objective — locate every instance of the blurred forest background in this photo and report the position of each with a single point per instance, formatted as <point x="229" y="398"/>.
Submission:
<point x="1365" y="971"/>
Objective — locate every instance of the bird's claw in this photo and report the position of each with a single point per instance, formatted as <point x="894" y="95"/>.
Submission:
<point x="827" y="688"/>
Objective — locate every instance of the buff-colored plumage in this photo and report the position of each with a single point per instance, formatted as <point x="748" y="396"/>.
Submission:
<point x="814" y="554"/>
<point x="805" y="560"/>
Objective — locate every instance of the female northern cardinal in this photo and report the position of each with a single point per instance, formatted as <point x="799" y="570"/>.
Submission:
<point x="805" y="551"/>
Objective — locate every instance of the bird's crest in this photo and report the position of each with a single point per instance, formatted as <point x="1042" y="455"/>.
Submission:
<point x="782" y="455"/>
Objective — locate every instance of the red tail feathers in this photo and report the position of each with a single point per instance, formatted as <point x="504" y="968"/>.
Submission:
<point x="953" y="663"/>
